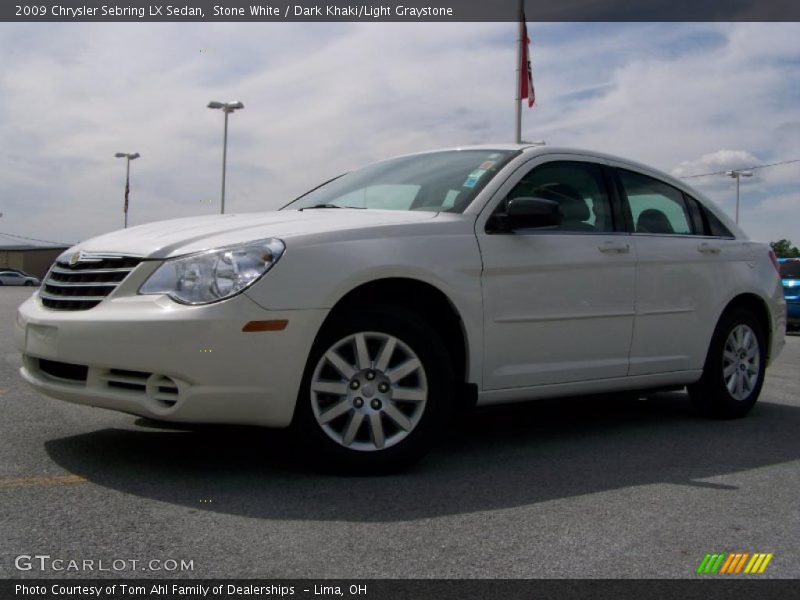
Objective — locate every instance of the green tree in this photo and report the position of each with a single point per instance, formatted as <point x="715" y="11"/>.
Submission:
<point x="784" y="249"/>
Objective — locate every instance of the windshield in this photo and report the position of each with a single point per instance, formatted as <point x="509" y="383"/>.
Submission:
<point x="439" y="181"/>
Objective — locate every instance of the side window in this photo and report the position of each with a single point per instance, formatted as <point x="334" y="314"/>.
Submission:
<point x="697" y="213"/>
<point x="655" y="206"/>
<point x="579" y="189"/>
<point x="715" y="227"/>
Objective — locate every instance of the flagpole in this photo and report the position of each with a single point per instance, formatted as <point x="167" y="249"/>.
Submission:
<point x="518" y="99"/>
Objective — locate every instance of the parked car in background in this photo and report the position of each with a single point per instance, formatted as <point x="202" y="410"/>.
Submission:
<point x="790" y="277"/>
<point x="9" y="277"/>
<point x="363" y="312"/>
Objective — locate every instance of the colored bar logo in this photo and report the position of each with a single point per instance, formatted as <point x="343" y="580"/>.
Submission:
<point x="734" y="563"/>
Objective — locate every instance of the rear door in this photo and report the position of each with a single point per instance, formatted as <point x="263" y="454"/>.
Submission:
<point x="558" y="302"/>
<point x="683" y="274"/>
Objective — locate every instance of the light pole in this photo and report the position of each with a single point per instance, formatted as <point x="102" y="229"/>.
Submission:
<point x="128" y="156"/>
<point x="227" y="108"/>
<point x="737" y="175"/>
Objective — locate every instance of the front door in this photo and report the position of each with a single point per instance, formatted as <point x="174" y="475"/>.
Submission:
<point x="558" y="302"/>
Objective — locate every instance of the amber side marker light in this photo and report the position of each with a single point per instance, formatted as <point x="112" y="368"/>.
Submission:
<point x="276" y="325"/>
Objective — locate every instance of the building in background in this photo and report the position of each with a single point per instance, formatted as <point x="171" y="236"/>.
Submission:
<point x="34" y="260"/>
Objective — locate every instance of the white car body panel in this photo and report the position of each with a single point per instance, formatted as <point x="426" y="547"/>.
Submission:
<point x="586" y="321"/>
<point x="176" y="237"/>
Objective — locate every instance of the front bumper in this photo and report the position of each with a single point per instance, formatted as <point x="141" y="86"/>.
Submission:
<point x="149" y="356"/>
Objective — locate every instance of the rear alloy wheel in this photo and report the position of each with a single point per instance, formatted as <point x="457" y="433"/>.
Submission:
<point x="734" y="370"/>
<point x="375" y="392"/>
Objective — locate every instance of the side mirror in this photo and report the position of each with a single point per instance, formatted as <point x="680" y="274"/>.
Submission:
<point x="527" y="213"/>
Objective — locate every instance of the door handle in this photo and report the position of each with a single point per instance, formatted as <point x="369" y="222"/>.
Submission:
<point x="707" y="248"/>
<point x="614" y="248"/>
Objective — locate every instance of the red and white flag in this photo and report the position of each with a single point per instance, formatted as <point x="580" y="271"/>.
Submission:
<point x="525" y="70"/>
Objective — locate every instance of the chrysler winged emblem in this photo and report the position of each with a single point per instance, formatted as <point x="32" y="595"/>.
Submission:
<point x="75" y="258"/>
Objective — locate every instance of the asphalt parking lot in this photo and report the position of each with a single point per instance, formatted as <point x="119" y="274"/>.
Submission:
<point x="583" y="489"/>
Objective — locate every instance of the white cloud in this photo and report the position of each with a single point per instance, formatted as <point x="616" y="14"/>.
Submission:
<point x="721" y="160"/>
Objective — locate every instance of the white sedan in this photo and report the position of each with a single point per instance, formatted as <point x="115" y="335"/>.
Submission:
<point x="17" y="278"/>
<point x="365" y="311"/>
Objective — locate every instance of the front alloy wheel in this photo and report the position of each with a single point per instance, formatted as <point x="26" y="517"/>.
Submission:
<point x="375" y="392"/>
<point x="369" y="391"/>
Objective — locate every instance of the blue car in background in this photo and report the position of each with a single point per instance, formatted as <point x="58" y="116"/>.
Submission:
<point x="790" y="277"/>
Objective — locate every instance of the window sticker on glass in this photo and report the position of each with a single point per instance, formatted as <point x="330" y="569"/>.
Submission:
<point x="473" y="177"/>
<point x="486" y="165"/>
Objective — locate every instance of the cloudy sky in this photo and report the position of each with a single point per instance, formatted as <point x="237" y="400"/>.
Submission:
<point x="322" y="98"/>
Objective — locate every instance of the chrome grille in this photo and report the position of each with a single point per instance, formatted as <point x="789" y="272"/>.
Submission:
<point x="81" y="281"/>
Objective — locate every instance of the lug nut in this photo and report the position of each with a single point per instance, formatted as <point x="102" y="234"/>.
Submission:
<point x="376" y="404"/>
<point x="354" y="384"/>
<point x="370" y="375"/>
<point x="383" y="387"/>
<point x="358" y="402"/>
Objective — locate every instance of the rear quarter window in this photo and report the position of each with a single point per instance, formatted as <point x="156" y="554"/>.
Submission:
<point x="715" y="227"/>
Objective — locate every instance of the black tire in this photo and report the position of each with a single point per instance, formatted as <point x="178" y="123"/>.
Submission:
<point x="321" y="450"/>
<point x="711" y="396"/>
<point x="28" y="284"/>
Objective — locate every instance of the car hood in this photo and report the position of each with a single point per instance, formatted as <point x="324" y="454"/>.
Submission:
<point x="165" y="239"/>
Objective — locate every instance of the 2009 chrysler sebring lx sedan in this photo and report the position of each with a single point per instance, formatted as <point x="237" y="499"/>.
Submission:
<point x="363" y="312"/>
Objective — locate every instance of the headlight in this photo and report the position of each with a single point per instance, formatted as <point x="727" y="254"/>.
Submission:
<point x="214" y="275"/>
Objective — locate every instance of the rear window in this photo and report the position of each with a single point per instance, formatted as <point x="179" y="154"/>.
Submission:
<point x="790" y="269"/>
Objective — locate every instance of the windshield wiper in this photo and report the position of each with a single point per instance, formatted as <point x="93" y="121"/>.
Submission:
<point x="331" y="206"/>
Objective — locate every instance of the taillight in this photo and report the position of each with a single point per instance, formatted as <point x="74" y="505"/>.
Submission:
<point x="774" y="260"/>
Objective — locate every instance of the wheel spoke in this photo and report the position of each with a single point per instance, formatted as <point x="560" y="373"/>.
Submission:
<point x="730" y="383"/>
<point x="403" y="370"/>
<point x="336" y="410"/>
<point x="340" y="364"/>
<point x="397" y="416"/>
<point x="727" y="371"/>
<point x="362" y="353"/>
<point x="337" y="388"/>
<point x="376" y="430"/>
<point x="352" y="428"/>
<point x="409" y="394"/>
<point x="386" y="354"/>
<point x="730" y="355"/>
<point x="747" y="340"/>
